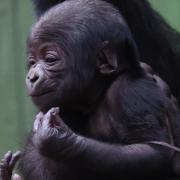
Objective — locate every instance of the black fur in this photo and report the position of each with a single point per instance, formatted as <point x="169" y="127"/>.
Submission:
<point x="157" y="42"/>
<point x="110" y="109"/>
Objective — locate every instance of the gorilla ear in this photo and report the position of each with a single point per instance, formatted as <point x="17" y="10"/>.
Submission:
<point x="108" y="60"/>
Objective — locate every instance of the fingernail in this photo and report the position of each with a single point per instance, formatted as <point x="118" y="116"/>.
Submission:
<point x="18" y="153"/>
<point x="16" y="177"/>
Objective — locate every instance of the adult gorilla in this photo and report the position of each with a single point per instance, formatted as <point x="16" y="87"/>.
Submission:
<point x="157" y="42"/>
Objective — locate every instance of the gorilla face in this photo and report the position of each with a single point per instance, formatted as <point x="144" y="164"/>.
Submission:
<point x="47" y="74"/>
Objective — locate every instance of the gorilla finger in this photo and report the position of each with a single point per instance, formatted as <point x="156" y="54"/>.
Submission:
<point x="47" y="119"/>
<point x="39" y="115"/>
<point x="36" y="125"/>
<point x="164" y="87"/>
<point x="16" y="177"/>
<point x="147" y="68"/>
<point x="56" y="111"/>
<point x="15" y="158"/>
<point x="52" y="118"/>
<point x="7" y="158"/>
<point x="53" y="111"/>
<point x="38" y="121"/>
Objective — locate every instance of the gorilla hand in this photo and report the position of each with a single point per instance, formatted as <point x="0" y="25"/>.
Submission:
<point x="7" y="165"/>
<point x="51" y="135"/>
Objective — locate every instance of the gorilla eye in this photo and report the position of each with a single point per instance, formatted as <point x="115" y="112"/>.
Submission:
<point x="31" y="61"/>
<point x="51" y="57"/>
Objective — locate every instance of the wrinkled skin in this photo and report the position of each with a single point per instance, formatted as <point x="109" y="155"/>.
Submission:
<point x="44" y="76"/>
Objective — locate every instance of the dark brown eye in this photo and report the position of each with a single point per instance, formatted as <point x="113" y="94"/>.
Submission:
<point x="31" y="61"/>
<point x="51" y="57"/>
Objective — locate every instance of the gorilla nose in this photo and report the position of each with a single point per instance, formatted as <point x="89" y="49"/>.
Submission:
<point x="33" y="79"/>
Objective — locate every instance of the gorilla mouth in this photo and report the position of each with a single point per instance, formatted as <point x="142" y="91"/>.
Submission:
<point x="40" y="93"/>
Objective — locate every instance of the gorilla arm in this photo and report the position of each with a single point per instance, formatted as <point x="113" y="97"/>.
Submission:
<point x="56" y="141"/>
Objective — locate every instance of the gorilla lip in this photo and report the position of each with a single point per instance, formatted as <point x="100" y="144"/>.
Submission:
<point x="40" y="94"/>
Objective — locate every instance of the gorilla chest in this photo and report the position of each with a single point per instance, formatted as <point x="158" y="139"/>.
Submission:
<point x="103" y="127"/>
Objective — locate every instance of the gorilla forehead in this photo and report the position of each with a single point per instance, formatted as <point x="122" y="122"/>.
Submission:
<point x="77" y="15"/>
<point x="79" y="10"/>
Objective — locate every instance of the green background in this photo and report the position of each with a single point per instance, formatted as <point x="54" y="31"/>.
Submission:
<point x="16" y="110"/>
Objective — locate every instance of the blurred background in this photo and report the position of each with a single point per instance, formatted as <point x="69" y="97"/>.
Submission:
<point x="16" y="110"/>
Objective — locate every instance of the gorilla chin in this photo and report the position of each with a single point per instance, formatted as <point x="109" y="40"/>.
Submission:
<point x="45" y="101"/>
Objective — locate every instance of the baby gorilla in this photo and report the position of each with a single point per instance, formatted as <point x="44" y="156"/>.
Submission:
<point x="114" y="121"/>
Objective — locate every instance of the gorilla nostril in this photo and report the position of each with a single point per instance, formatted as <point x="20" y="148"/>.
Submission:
<point x="33" y="79"/>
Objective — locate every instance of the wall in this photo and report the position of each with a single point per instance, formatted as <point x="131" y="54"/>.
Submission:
<point x="15" y="107"/>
